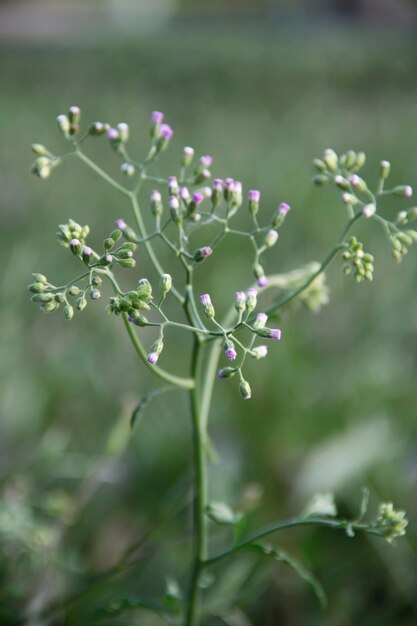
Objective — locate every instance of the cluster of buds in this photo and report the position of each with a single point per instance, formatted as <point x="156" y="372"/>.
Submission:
<point x="50" y="298"/>
<point x="46" y="161"/>
<point x="133" y="302"/>
<point x="331" y="165"/>
<point x="72" y="230"/>
<point x="400" y="241"/>
<point x="358" y="262"/>
<point x="390" y="523"/>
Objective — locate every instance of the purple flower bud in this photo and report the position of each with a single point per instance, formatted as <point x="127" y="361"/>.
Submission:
<point x="254" y="195"/>
<point x="166" y="132"/>
<point x="226" y="372"/>
<point x="184" y="194"/>
<point x="229" y="187"/>
<point x="275" y="334"/>
<point x="284" y="208"/>
<point x="262" y="281"/>
<point x="206" y="161"/>
<point x="189" y="151"/>
<point x="172" y="185"/>
<point x="202" y="253"/>
<point x="251" y="299"/>
<point x="231" y="354"/>
<point x="113" y="134"/>
<point x="240" y="301"/>
<point x="207" y="305"/>
<point x="173" y="202"/>
<point x="156" y="196"/>
<point x="74" y="243"/>
<point x="87" y="251"/>
<point x="157" y="117"/>
<point x="197" y="197"/>
<point x="153" y="357"/>
<point x="218" y="184"/>
<point x="261" y="320"/>
<point x="205" y="299"/>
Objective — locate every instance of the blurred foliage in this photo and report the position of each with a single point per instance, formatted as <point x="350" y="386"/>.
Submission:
<point x="334" y="405"/>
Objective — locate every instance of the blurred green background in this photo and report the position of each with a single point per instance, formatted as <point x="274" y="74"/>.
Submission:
<point x="263" y="88"/>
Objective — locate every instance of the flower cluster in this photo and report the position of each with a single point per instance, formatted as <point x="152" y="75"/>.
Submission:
<point x="390" y="523"/>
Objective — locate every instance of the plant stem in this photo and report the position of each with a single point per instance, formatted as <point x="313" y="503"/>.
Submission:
<point x="201" y="491"/>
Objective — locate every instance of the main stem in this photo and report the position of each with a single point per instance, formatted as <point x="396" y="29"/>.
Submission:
<point x="201" y="491"/>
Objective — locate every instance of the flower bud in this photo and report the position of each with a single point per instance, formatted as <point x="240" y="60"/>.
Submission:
<point x="259" y="352"/>
<point x="126" y="262"/>
<point x="251" y="299"/>
<point x="201" y="254"/>
<point x="155" y="351"/>
<point x="40" y="150"/>
<point x="217" y="192"/>
<point x="165" y="137"/>
<point x="244" y="389"/>
<point x="319" y="165"/>
<point x="74" y="290"/>
<point x="63" y="124"/>
<point x="74" y="114"/>
<point x="254" y="196"/>
<point x="357" y="182"/>
<point x="229" y="350"/>
<point x="94" y="294"/>
<point x="369" y="210"/>
<point x="207" y="305"/>
<point x="42" y="167"/>
<point x="174" y="207"/>
<point x="384" y="169"/>
<point x="173" y="188"/>
<point x="123" y="129"/>
<point x="165" y="283"/>
<point x="187" y="156"/>
<point x="202" y="176"/>
<point x="403" y="190"/>
<point x="320" y="180"/>
<point x="156" y="120"/>
<point x="81" y="303"/>
<point x="196" y="200"/>
<point x="68" y="312"/>
<point x="269" y="333"/>
<point x="261" y="320"/>
<point x="97" y="128"/>
<point x="127" y="169"/>
<point x="40" y="278"/>
<point x="228" y="189"/>
<point x="226" y="372"/>
<point x="330" y="159"/>
<point x="342" y="183"/>
<point x="280" y="214"/>
<point x="156" y="203"/>
<point x="360" y="160"/>
<point x="349" y="198"/>
<point x="144" y="289"/>
<point x="271" y="238"/>
<point x="259" y="273"/>
<point x="59" y="297"/>
<point x="240" y="301"/>
<point x="75" y="247"/>
<point x="87" y="254"/>
<point x="36" y="287"/>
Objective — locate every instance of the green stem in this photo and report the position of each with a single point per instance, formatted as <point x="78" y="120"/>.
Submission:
<point x="201" y="492"/>
<point x="101" y="173"/>
<point x="291" y="523"/>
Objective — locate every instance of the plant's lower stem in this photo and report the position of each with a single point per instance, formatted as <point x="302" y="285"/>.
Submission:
<point x="201" y="492"/>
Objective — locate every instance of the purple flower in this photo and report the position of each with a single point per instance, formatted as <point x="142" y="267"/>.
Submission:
<point x="262" y="282"/>
<point x="205" y="299"/>
<point x="87" y="251"/>
<point x="240" y="301"/>
<point x="229" y="183"/>
<point x="153" y="357"/>
<point x="284" y="208"/>
<point x="157" y="117"/>
<point x="156" y="196"/>
<point x="218" y="184"/>
<point x="206" y="161"/>
<point x="260" y="352"/>
<point x="120" y="224"/>
<point x="166" y="131"/>
<point x="261" y="320"/>
<point x="254" y="195"/>
<point x="173" y="202"/>
<point x="198" y="197"/>
<point x="275" y="334"/>
<point x="231" y="354"/>
<point x="184" y="194"/>
<point x="74" y="243"/>
<point x="252" y="293"/>
<point x="113" y="134"/>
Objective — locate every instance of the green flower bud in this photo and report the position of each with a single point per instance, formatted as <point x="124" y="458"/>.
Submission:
<point x="319" y="165"/>
<point x="403" y="190"/>
<point x="97" y="128"/>
<point x="245" y="390"/>
<point x="40" y="278"/>
<point x="36" y="287"/>
<point x="60" y="297"/>
<point x="207" y="305"/>
<point x="330" y="159"/>
<point x="74" y="114"/>
<point x="144" y="290"/>
<point x="81" y="303"/>
<point x="123" y="129"/>
<point x="126" y="262"/>
<point x="384" y="169"/>
<point x="63" y="124"/>
<point x="42" y="167"/>
<point x="320" y="180"/>
<point x="360" y="160"/>
<point x="74" y="290"/>
<point x="116" y="235"/>
<point x="165" y="283"/>
<point x="226" y="372"/>
<point x="50" y="307"/>
<point x="412" y="234"/>
<point x="96" y="280"/>
<point x="40" y="150"/>
<point x="94" y="293"/>
<point x="271" y="238"/>
<point x="68" y="312"/>
<point x="350" y="159"/>
<point x="342" y="183"/>
<point x="127" y="169"/>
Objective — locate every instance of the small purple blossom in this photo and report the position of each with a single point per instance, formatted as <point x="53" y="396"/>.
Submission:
<point x="152" y="358"/>
<point x="261" y="320"/>
<point x="166" y="131"/>
<point x="113" y="134"/>
<point x="120" y="224"/>
<point x="218" y="184"/>
<point x="284" y="208"/>
<point x="87" y="251"/>
<point x="205" y="299"/>
<point x="252" y="292"/>
<point x="231" y="354"/>
<point x="229" y="183"/>
<point x="156" y="196"/>
<point x="206" y="161"/>
<point x="355" y="180"/>
<point x="184" y="194"/>
<point x="254" y="195"/>
<point x="157" y="117"/>
<point x="262" y="281"/>
<point x="198" y="197"/>
<point x="74" y="243"/>
<point x="275" y="334"/>
<point x="173" y="202"/>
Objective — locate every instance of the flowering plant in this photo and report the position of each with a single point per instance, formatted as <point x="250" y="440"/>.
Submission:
<point x="184" y="207"/>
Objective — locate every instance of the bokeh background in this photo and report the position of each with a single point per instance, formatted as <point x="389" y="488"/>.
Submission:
<point x="264" y="87"/>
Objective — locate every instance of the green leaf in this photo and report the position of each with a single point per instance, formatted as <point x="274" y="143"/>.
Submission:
<point x="138" y="412"/>
<point x="278" y="554"/>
